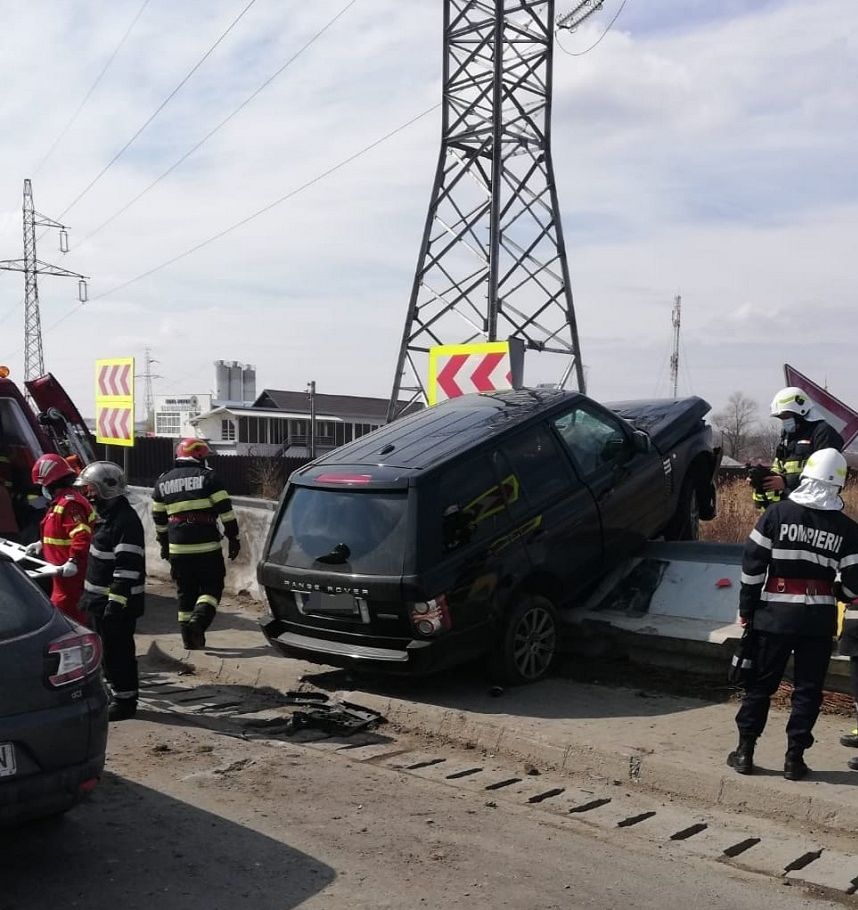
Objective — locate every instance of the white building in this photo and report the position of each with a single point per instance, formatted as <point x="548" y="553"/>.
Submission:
<point x="174" y="413"/>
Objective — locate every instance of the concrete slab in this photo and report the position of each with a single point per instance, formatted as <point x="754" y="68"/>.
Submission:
<point x="775" y="855"/>
<point x="833" y="869"/>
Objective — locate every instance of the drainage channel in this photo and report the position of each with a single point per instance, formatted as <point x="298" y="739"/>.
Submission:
<point x="772" y="850"/>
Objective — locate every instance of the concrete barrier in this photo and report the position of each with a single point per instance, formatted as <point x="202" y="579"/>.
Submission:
<point x="254" y="519"/>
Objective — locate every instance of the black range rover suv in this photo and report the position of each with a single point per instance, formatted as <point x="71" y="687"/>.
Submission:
<point x="461" y="530"/>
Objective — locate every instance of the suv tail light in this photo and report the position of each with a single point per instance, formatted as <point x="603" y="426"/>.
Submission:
<point x="78" y="655"/>
<point x="429" y="617"/>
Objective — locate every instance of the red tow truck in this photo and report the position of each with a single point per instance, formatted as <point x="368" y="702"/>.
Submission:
<point x="48" y="422"/>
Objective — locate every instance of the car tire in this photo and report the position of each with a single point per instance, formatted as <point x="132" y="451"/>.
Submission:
<point x="685" y="524"/>
<point x="529" y="642"/>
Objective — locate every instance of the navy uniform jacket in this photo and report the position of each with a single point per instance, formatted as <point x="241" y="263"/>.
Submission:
<point x="789" y="565"/>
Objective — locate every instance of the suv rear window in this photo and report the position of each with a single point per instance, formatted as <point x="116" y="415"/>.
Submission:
<point x="348" y="531"/>
<point x="23" y="607"/>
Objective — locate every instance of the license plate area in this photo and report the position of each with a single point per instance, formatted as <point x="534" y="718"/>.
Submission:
<point x="8" y="765"/>
<point x="334" y="606"/>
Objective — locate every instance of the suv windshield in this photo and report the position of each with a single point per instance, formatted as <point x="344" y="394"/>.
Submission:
<point x="347" y="531"/>
<point x="23" y="607"/>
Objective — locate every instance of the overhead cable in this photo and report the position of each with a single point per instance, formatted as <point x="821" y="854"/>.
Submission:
<point x="222" y="123"/>
<point x="157" y="111"/>
<point x="92" y="88"/>
<point x="598" y="41"/>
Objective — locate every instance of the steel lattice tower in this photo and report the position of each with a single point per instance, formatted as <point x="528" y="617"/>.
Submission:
<point x="31" y="266"/>
<point x="492" y="261"/>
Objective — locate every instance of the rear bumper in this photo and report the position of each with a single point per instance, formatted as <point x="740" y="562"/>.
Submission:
<point x="40" y="795"/>
<point x="417" y="657"/>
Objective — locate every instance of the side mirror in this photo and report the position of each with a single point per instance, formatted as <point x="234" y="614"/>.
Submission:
<point x="641" y="441"/>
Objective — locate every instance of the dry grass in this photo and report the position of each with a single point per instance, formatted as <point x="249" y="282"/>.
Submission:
<point x="737" y="514"/>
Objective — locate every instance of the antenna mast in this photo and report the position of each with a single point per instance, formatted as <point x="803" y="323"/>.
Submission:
<point x="674" y="357"/>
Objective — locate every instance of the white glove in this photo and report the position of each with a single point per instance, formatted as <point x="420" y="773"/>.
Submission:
<point x="34" y="549"/>
<point x="68" y="569"/>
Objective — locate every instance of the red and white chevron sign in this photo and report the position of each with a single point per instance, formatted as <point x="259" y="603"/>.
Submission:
<point x="115" y="425"/>
<point x="114" y="379"/>
<point x="825" y="406"/>
<point x="457" y="369"/>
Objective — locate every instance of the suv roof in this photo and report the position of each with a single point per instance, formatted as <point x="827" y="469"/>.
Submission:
<point x="429" y="438"/>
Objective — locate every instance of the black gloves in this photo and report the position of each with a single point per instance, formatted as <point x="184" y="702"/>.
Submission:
<point x="233" y="547"/>
<point x="165" y="549"/>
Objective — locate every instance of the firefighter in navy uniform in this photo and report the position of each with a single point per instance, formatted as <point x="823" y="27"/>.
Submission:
<point x="187" y="503"/>
<point x="788" y="571"/>
<point x="800" y="437"/>
<point x="115" y="578"/>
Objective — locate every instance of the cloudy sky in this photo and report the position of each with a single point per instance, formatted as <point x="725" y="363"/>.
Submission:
<point x="705" y="149"/>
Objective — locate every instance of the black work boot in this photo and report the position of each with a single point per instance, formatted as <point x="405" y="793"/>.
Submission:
<point x="741" y="759"/>
<point x="850" y="740"/>
<point x="794" y="766"/>
<point x="122" y="709"/>
<point x="196" y="637"/>
<point x="853" y="764"/>
<point x="186" y="635"/>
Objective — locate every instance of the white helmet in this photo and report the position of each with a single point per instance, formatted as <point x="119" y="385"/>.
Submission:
<point x="827" y="465"/>
<point x="106" y="478"/>
<point x="791" y="400"/>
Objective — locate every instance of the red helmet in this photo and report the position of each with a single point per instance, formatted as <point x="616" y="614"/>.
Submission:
<point x="50" y="469"/>
<point x="193" y="448"/>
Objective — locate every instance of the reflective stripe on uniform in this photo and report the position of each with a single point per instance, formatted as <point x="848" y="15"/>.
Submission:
<point x="812" y="600"/>
<point x="138" y="589"/>
<point x="58" y="541"/>
<point x="118" y="598"/>
<point x="850" y="560"/>
<point x="80" y="529"/>
<point x="95" y="589"/>
<point x="159" y="506"/>
<point x="851" y="613"/>
<point x="189" y="505"/>
<point x="188" y="549"/>
<point x="805" y="555"/>
<point x="129" y="548"/>
<point x="101" y="554"/>
<point x="185" y="616"/>
<point x="208" y="599"/>
<point x="126" y="573"/>
<point x="219" y="496"/>
<point x="759" y="540"/>
<point x="228" y="516"/>
<point x="753" y="579"/>
<point x="848" y="592"/>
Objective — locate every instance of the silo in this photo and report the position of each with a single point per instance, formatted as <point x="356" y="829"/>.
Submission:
<point x="235" y="381"/>
<point x="222" y="380"/>
<point x="248" y="383"/>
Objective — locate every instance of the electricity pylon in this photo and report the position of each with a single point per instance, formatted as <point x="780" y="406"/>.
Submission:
<point x="492" y="262"/>
<point x="31" y="266"/>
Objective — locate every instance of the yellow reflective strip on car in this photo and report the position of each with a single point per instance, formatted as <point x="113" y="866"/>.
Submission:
<point x="189" y="505"/>
<point x="58" y="541"/>
<point x="228" y="516"/>
<point x="118" y="598"/>
<point x="159" y="506"/>
<point x="185" y="616"/>
<point x="189" y="549"/>
<point x="219" y="496"/>
<point x="208" y="599"/>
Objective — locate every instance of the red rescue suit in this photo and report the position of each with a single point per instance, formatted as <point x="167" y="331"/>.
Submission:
<point x="66" y="534"/>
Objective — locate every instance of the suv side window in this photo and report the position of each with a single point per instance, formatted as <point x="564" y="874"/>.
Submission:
<point x="595" y="440"/>
<point x="471" y="503"/>
<point x="541" y="472"/>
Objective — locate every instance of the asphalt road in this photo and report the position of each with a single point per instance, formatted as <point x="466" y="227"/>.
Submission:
<point x="194" y="819"/>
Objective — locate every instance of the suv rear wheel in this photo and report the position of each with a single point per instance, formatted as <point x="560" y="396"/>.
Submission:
<point x="685" y="523"/>
<point x="529" y="641"/>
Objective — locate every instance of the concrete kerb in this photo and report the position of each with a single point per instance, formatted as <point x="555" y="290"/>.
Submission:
<point x="619" y="766"/>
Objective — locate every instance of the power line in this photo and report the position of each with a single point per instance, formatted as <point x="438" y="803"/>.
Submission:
<point x="266" y="208"/>
<point x="598" y="41"/>
<point x="222" y="123"/>
<point x="157" y="111"/>
<point x="92" y="88"/>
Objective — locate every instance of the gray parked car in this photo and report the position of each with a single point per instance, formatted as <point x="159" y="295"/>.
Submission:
<point x="53" y="704"/>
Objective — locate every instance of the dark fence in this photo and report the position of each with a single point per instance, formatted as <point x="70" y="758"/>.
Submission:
<point x="242" y="475"/>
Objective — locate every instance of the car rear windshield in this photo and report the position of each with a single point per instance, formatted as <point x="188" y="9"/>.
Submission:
<point x="23" y="607"/>
<point x="347" y="531"/>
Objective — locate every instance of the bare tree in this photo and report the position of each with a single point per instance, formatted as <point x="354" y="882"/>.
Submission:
<point x="737" y="422"/>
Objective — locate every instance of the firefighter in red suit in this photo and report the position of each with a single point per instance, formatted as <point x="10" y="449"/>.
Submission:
<point x="66" y="532"/>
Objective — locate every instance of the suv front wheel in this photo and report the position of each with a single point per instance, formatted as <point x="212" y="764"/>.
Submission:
<point x="529" y="640"/>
